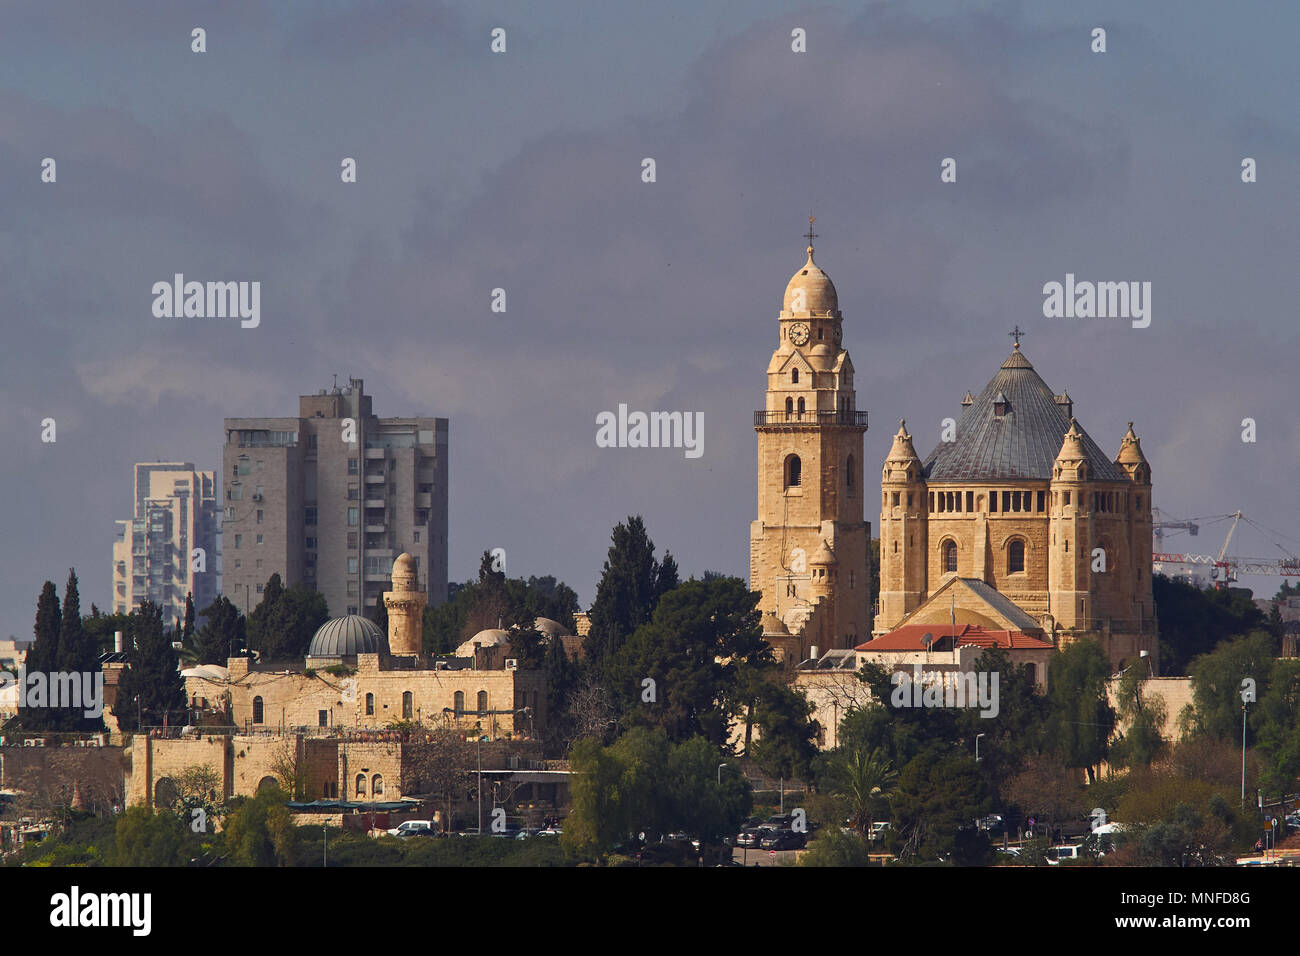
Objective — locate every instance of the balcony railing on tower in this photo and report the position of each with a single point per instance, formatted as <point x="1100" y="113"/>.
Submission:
<point x="811" y="417"/>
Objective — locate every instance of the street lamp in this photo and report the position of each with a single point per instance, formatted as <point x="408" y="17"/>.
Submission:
<point x="720" y="766"/>
<point x="977" y="747"/>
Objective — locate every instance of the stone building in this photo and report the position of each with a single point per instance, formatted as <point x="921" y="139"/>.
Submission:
<point x="1021" y="522"/>
<point x="809" y="547"/>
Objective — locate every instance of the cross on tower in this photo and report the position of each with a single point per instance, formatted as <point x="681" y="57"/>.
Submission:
<point x="1015" y="334"/>
<point x="811" y="235"/>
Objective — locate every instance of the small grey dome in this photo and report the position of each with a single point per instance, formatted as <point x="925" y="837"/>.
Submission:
<point x="347" y="637"/>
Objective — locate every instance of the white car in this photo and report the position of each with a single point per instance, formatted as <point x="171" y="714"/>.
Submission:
<point x="411" y="828"/>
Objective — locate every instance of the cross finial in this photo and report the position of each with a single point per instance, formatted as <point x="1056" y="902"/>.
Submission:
<point x="1015" y="334"/>
<point x="811" y="235"/>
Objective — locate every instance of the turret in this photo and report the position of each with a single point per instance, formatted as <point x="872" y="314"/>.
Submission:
<point x="405" y="605"/>
<point x="903" y="510"/>
<point x="1069" y="596"/>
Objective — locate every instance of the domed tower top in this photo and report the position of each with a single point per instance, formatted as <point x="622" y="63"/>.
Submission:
<point x="810" y="291"/>
<point x="1072" y="460"/>
<point x="405" y="575"/>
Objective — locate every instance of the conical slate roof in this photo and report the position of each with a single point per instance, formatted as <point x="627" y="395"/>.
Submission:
<point x="1023" y="443"/>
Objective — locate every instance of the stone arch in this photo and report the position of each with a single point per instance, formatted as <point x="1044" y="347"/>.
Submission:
<point x="267" y="783"/>
<point x="948" y="553"/>
<point x="792" y="469"/>
<point x="165" y="792"/>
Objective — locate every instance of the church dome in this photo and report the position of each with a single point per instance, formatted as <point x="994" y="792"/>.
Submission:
<point x="347" y="637"/>
<point x="811" y="290"/>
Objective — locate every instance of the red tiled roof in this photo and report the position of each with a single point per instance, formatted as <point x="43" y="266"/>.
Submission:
<point x="908" y="638"/>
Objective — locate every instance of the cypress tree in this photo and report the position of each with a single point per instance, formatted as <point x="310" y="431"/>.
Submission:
<point x="43" y="655"/>
<point x="151" y="687"/>
<point x="629" y="589"/>
<point x="77" y="654"/>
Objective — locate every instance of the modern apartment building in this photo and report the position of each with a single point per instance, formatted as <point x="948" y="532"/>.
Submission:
<point x="157" y="555"/>
<point x="330" y="498"/>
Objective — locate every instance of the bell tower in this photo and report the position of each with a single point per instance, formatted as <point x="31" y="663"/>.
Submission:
<point x="809" y="547"/>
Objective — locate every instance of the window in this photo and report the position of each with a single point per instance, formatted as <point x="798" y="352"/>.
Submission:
<point x="482" y="701"/>
<point x="793" y="471"/>
<point x="322" y="718"/>
<point x="361" y="777"/>
<point x="260" y="587"/>
<point x="949" y="556"/>
<point x="352" y="609"/>
<point x="352" y="466"/>
<point x="311" y="542"/>
<point x="236" y="491"/>
<point x="417" y="537"/>
<point x="459" y="703"/>
<point x="239" y="540"/>
<point x="377" y="785"/>
<point x="352" y="540"/>
<point x="242" y="467"/>
<point x="789" y="406"/>
<point x="259" y="539"/>
<point x="354" y="493"/>
<point x="311" y="440"/>
<point x="408" y="705"/>
<point x="848" y="471"/>
<point x="896" y="499"/>
<point x="1016" y="557"/>
<point x="800" y="407"/>
<point x="259" y="517"/>
<point x="794" y="376"/>
<point x="309" y="516"/>
<point x="258" y="710"/>
<point x="1042" y="501"/>
<point x="993" y="502"/>
<point x="970" y="501"/>
<point x="370" y="705"/>
<point x="352" y="565"/>
<point x="352" y="516"/>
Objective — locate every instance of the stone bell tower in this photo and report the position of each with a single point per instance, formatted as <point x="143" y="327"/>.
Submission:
<point x="809" y="547"/>
<point x="405" y="604"/>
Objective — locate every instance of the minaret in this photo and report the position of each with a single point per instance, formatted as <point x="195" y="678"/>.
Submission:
<point x="405" y="604"/>
<point x="904" y="509"/>
<point x="810" y="486"/>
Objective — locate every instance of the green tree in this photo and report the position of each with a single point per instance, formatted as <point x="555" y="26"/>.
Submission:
<point x="788" y="741"/>
<point x="702" y="802"/>
<point x="283" y="623"/>
<point x="599" y="817"/>
<point x="833" y="847"/>
<point x="145" y="838"/>
<point x="78" y="654"/>
<point x="1216" y="683"/>
<point x="1278" y="722"/>
<point x="938" y="794"/>
<point x="260" y="832"/>
<point x="151" y="690"/>
<point x="1143" y="719"/>
<point x="703" y="637"/>
<point x="1081" y="718"/>
<point x="864" y="779"/>
<point x="631" y="584"/>
<point x="1194" y="621"/>
<point x="222" y="634"/>
<point x="43" y="655"/>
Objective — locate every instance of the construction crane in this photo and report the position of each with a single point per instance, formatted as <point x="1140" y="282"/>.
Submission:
<point x="1160" y="524"/>
<point x="1225" y="569"/>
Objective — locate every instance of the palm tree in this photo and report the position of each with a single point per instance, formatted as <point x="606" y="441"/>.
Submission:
<point x="865" y="779"/>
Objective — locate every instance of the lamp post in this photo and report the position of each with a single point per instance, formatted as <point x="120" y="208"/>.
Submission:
<point x="720" y="766"/>
<point x="977" y="747"/>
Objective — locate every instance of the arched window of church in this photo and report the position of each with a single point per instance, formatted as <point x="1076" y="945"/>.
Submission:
<point x="459" y="703"/>
<point x="482" y="700"/>
<point x="258" y="710"/>
<point x="408" y="705"/>
<point x="361" y="785"/>
<point x="949" y="556"/>
<point x="848" y="472"/>
<point x="794" y="375"/>
<point x="793" y="470"/>
<point x="377" y="785"/>
<point x="801" y="408"/>
<point x="1016" y="557"/>
<point x="789" y="405"/>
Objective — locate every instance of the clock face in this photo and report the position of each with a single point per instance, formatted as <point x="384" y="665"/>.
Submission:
<point x="799" y="333"/>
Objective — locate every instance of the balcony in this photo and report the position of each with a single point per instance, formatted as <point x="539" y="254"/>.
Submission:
<point x="375" y="503"/>
<point x="833" y="417"/>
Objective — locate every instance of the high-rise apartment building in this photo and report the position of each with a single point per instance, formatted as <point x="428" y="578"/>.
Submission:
<point x="329" y="499"/>
<point x="169" y="547"/>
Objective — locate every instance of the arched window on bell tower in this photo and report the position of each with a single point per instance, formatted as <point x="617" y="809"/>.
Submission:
<point x="801" y="408"/>
<point x="789" y="407"/>
<point x="793" y="472"/>
<point x="794" y="376"/>
<point x="949" y="556"/>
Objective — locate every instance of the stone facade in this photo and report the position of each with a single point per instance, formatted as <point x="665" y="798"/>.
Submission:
<point x="1067" y="540"/>
<point x="809" y="546"/>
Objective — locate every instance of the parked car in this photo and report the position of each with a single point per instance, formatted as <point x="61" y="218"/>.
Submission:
<point x="1059" y="854"/>
<point x="412" y="827"/>
<point x="783" y="840"/>
<point x="748" y="837"/>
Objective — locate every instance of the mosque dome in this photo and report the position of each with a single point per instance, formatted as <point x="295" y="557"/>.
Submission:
<point x="490" y="637"/>
<point x="347" y="637"/>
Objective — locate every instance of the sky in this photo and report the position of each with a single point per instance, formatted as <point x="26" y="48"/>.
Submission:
<point x="522" y="171"/>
